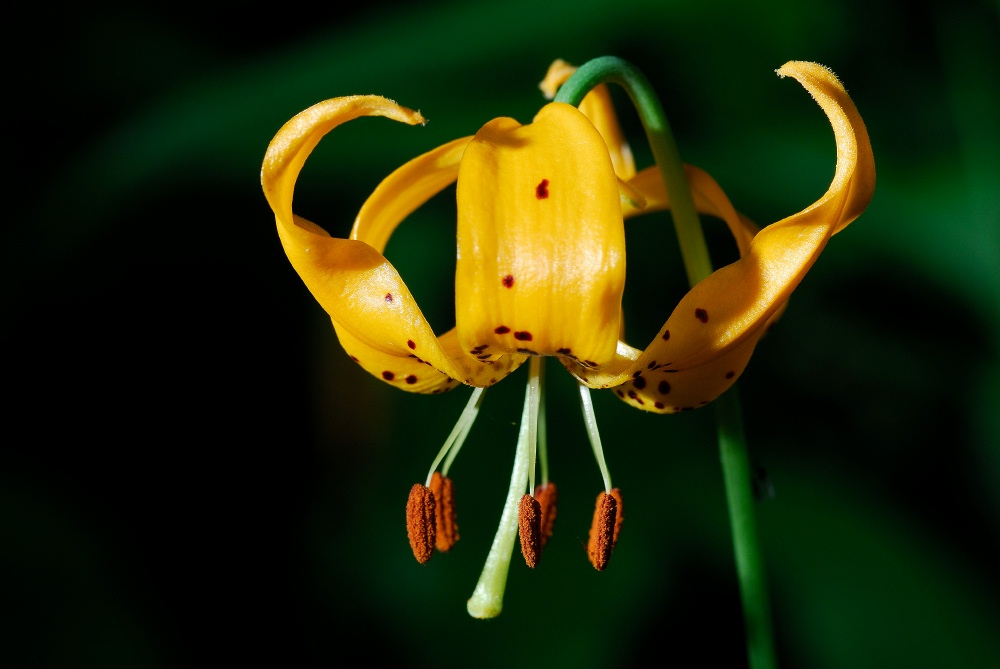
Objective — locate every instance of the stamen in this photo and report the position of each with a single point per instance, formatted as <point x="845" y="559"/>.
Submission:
<point x="619" y="514"/>
<point x="590" y="420"/>
<point x="546" y="496"/>
<point x="534" y="396"/>
<point x="529" y="522"/>
<point x="420" y="524"/>
<point x="453" y="444"/>
<point x="542" y="441"/>
<point x="602" y="531"/>
<point x="487" y="598"/>
<point x="447" y="524"/>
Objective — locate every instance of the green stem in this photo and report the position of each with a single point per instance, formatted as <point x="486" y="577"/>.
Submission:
<point x="609" y="69"/>
<point x="698" y="265"/>
<point x="743" y="523"/>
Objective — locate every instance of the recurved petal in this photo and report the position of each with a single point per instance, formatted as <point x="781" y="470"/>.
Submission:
<point x="287" y="152"/>
<point x="709" y="198"/>
<point x="736" y="301"/>
<point x="375" y="315"/>
<point x="352" y="281"/>
<point x="854" y="181"/>
<point x="559" y="71"/>
<point x="710" y="335"/>
<point x="403" y="191"/>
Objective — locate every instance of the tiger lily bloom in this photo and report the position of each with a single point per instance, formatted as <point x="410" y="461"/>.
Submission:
<point x="540" y="271"/>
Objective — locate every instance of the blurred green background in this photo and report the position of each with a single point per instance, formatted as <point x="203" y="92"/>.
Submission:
<point x="194" y="474"/>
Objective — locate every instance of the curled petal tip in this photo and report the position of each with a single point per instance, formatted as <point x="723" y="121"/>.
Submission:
<point x="559" y="71"/>
<point x="794" y="68"/>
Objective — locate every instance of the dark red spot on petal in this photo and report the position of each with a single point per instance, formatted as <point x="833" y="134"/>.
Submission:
<point x="564" y="351"/>
<point x="508" y="281"/>
<point x="701" y="315"/>
<point x="666" y="335"/>
<point x="664" y="387"/>
<point x="412" y="344"/>
<point x="658" y="405"/>
<point x="639" y="383"/>
<point x="730" y="375"/>
<point x="411" y="379"/>
<point x="388" y="297"/>
<point x="388" y="376"/>
<point x="355" y="359"/>
<point x="502" y="329"/>
<point x="542" y="189"/>
<point x="620" y="393"/>
<point x="522" y="336"/>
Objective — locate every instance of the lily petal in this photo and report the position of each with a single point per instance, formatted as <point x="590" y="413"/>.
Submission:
<point x="709" y="198"/>
<point x="598" y="107"/>
<point x="714" y="328"/>
<point x="541" y="243"/>
<point x="374" y="313"/>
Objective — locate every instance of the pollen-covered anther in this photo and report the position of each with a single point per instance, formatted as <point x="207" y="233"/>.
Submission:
<point x="604" y="529"/>
<point x="529" y="527"/>
<point x="546" y="496"/>
<point x="619" y="514"/>
<point x="446" y="524"/>
<point x="420" y="522"/>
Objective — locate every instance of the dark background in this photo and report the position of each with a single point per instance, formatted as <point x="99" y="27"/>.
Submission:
<point x="193" y="473"/>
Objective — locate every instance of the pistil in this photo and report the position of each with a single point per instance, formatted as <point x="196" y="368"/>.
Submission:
<point x="487" y="598"/>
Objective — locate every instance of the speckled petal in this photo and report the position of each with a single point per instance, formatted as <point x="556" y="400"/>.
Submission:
<point x="708" y="338"/>
<point x="541" y="242"/>
<point x="374" y="312"/>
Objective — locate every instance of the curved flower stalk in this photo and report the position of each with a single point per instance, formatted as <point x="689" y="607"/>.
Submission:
<point x="540" y="271"/>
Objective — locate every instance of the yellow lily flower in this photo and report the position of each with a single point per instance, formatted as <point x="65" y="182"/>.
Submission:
<point x="540" y="265"/>
<point x="541" y="254"/>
